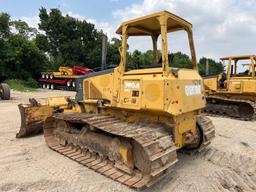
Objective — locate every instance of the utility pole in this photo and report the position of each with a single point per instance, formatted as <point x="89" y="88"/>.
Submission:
<point x="104" y="52"/>
<point x="207" y="67"/>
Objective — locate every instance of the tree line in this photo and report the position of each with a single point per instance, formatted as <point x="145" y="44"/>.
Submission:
<point x="62" y="40"/>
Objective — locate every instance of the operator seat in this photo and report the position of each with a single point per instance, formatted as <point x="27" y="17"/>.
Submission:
<point x="222" y="80"/>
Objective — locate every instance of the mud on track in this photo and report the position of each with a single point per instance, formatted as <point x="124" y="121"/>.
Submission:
<point x="28" y="164"/>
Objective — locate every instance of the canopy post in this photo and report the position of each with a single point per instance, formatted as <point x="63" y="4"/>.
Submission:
<point x="165" y="64"/>
<point x="253" y="67"/>
<point x="192" y="48"/>
<point x="123" y="50"/>
<point x="155" y="52"/>
<point x="229" y="69"/>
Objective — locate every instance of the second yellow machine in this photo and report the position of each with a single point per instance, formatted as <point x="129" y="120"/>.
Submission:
<point x="129" y="124"/>
<point x="233" y="93"/>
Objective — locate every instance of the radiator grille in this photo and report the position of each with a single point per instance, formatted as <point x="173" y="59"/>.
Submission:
<point x="86" y="89"/>
<point x="94" y="92"/>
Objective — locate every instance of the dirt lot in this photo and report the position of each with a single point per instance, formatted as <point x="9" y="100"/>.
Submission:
<point x="28" y="164"/>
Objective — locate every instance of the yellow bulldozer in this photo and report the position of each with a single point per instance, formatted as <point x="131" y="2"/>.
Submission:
<point x="233" y="93"/>
<point x="128" y="124"/>
<point x="5" y="91"/>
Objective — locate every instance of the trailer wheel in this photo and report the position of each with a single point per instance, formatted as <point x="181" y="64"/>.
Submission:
<point x="51" y="76"/>
<point x="69" y="83"/>
<point x="73" y="83"/>
<point x="5" y="91"/>
<point x="52" y="86"/>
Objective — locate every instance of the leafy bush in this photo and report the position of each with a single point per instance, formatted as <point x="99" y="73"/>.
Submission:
<point x="31" y="83"/>
<point x="19" y="85"/>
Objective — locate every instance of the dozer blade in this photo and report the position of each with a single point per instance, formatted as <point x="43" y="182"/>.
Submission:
<point x="34" y="114"/>
<point x="32" y="119"/>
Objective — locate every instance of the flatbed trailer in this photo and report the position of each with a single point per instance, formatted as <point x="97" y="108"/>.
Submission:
<point x="65" y="78"/>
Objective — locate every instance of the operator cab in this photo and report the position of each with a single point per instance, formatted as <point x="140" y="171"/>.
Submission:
<point x="238" y="68"/>
<point x="156" y="27"/>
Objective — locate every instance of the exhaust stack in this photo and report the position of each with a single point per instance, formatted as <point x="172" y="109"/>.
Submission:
<point x="104" y="52"/>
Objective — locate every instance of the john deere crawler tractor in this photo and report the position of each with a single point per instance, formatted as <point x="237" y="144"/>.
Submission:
<point x="233" y="93"/>
<point x="129" y="124"/>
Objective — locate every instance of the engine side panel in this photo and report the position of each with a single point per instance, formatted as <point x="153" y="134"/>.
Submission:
<point x="175" y="95"/>
<point x="210" y="83"/>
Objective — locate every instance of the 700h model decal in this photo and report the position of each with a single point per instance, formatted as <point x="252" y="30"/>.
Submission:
<point x="131" y="85"/>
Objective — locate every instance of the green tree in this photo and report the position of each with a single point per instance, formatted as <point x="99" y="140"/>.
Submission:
<point x="69" y="40"/>
<point x="23" y="29"/>
<point x="215" y="68"/>
<point x="148" y="57"/>
<point x="42" y="42"/>
<point x="20" y="58"/>
<point x="139" y="59"/>
<point x="181" y="60"/>
<point x="113" y="55"/>
<point x="136" y="60"/>
<point x="4" y="25"/>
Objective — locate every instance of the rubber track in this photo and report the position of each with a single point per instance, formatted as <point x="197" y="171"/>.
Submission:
<point x="155" y="140"/>
<point x="223" y="113"/>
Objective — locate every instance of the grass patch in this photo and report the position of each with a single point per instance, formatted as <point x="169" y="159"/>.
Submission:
<point x="20" y="85"/>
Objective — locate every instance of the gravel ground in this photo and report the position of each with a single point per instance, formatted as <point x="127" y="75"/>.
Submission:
<point x="28" y="164"/>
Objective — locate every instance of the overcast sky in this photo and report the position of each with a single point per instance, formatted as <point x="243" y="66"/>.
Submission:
<point x="221" y="27"/>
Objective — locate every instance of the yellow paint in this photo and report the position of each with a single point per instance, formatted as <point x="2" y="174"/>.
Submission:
<point x="64" y="72"/>
<point x="153" y="94"/>
<point x="163" y="95"/>
<point x="237" y="87"/>
<point x="104" y="81"/>
<point x="124" y="153"/>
